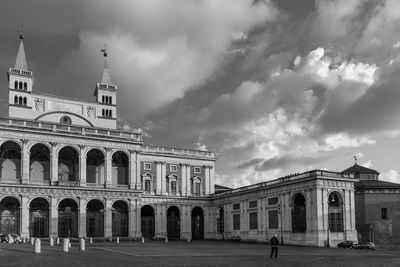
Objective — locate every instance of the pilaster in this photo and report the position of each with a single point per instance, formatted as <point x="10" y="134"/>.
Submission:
<point x="138" y="219"/>
<point x="212" y="180"/>
<point x="207" y="180"/>
<point x="132" y="218"/>
<point x="54" y="163"/>
<point x="24" y="217"/>
<point x="82" y="165"/>
<point x="163" y="178"/>
<point x="108" y="219"/>
<point x="139" y="185"/>
<point x="183" y="182"/>
<point x="53" y="216"/>
<point x="108" y="159"/>
<point x="25" y="161"/>
<point x="188" y="182"/>
<point x="132" y="169"/>
<point x="82" y="218"/>
<point x="158" y="177"/>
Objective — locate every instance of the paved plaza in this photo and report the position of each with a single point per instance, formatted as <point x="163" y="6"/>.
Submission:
<point x="195" y="253"/>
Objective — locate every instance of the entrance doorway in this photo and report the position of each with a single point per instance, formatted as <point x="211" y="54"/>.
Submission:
<point x="39" y="218"/>
<point x="148" y="225"/>
<point x="173" y="223"/>
<point x="197" y="224"/>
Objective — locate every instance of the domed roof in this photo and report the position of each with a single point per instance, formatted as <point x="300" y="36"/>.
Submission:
<point x="358" y="169"/>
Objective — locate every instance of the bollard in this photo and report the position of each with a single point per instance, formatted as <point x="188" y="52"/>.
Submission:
<point x="37" y="246"/>
<point x="142" y="239"/>
<point x="58" y="240"/>
<point x="32" y="240"/>
<point x="24" y="240"/>
<point x="91" y="240"/>
<point x="69" y="243"/>
<point x="81" y="244"/>
<point x="65" y="244"/>
<point x="188" y="239"/>
<point x="166" y="239"/>
<point x="117" y="241"/>
<point x="51" y="241"/>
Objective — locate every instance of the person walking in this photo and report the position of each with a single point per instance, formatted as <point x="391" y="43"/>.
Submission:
<point x="274" y="246"/>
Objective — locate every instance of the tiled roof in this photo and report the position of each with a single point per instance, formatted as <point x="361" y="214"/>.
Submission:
<point x="362" y="184"/>
<point x="220" y="188"/>
<point x="358" y="169"/>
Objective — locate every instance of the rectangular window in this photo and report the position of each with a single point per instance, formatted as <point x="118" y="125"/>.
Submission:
<point x="147" y="185"/>
<point x="147" y="166"/>
<point x="273" y="219"/>
<point x="236" y="221"/>
<point x="173" y="168"/>
<point x="253" y="218"/>
<point x="197" y="170"/>
<point x="384" y="215"/>
<point x="272" y="201"/>
<point x="197" y="188"/>
<point x="335" y="221"/>
<point x="173" y="187"/>
<point x="253" y="204"/>
<point x="236" y="206"/>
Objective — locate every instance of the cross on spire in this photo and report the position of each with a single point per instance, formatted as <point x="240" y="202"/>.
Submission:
<point x="355" y="159"/>
<point x="104" y="50"/>
<point x="20" y="31"/>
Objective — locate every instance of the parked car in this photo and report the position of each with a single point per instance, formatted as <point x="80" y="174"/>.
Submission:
<point x="3" y="238"/>
<point x="365" y="245"/>
<point x="345" y="244"/>
<point x="14" y="238"/>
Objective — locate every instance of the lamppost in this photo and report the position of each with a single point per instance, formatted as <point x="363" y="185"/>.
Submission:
<point x="281" y="221"/>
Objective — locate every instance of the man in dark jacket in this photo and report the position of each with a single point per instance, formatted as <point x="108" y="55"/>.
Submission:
<point x="274" y="246"/>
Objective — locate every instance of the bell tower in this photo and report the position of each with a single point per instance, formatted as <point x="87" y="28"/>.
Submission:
<point x="106" y="93"/>
<point x="20" y="83"/>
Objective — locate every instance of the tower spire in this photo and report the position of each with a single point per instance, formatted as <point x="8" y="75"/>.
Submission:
<point x="20" y="62"/>
<point x="105" y="77"/>
<point x="355" y="160"/>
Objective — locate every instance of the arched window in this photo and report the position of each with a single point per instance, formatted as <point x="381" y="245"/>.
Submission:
<point x="25" y="86"/>
<point x="299" y="214"/>
<point x="103" y="112"/>
<point x="65" y="120"/>
<point x="15" y="99"/>
<point x="107" y="99"/>
<point x="25" y="101"/>
<point x="110" y="99"/>
<point x="110" y="114"/>
<point x="335" y="207"/>
<point x="20" y="85"/>
<point x="15" y="85"/>
<point x="106" y="112"/>
<point x="102" y="99"/>
<point x="20" y="100"/>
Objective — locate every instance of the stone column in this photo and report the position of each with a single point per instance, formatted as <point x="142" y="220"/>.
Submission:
<point x="82" y="218"/>
<point x="132" y="218"/>
<point x="212" y="180"/>
<point x="25" y="161"/>
<point x="158" y="178"/>
<point x="132" y="169"/>
<point x="53" y="217"/>
<point x="138" y="218"/>
<point x="158" y="220"/>
<point x="24" y="214"/>
<point x="183" y="180"/>
<point x="108" y="219"/>
<point x="163" y="178"/>
<point x="188" y="183"/>
<point x="54" y="163"/>
<point x="207" y="179"/>
<point x="82" y="166"/>
<point x="309" y="211"/>
<point x="163" y="208"/>
<point x="184" y="221"/>
<point x="108" y="163"/>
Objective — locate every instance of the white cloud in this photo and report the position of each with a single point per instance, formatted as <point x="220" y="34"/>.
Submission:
<point x="390" y="176"/>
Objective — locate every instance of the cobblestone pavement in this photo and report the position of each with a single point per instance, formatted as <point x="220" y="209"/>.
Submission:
<point x="195" y="253"/>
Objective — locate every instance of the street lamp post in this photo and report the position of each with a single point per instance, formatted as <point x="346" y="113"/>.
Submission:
<point x="281" y="222"/>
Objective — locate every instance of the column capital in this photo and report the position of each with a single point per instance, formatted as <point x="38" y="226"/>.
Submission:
<point x="53" y="144"/>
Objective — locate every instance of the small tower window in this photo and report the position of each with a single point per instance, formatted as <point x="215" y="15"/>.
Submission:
<point x="110" y="114"/>
<point x="20" y="85"/>
<point x="102" y="99"/>
<point x="15" y="85"/>
<point x="103" y="112"/>
<point x="65" y="120"/>
<point x="15" y="99"/>
<point x="25" y="86"/>
<point x="25" y="101"/>
<point x="20" y="100"/>
<point x="110" y="99"/>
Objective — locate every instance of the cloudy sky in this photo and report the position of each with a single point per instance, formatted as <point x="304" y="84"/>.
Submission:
<point x="273" y="87"/>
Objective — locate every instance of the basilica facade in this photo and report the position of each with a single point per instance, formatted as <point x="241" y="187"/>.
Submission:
<point x="67" y="170"/>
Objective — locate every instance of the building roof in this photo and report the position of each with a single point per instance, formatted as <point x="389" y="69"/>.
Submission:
<point x="106" y="77"/>
<point x="358" y="169"/>
<point x="20" y="62"/>
<point x="220" y="188"/>
<point x="372" y="184"/>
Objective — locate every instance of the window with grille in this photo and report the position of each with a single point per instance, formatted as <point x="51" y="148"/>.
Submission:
<point x="272" y="201"/>
<point x="253" y="219"/>
<point x="173" y="168"/>
<point x="236" y="206"/>
<point x="147" y="185"/>
<point x="173" y="187"/>
<point x="197" y="170"/>
<point x="147" y="166"/>
<point x="384" y="215"/>
<point x="236" y="221"/>
<point x="197" y="188"/>
<point x="253" y="204"/>
<point x="272" y="219"/>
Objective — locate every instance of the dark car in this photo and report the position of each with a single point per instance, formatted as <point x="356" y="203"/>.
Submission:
<point x="345" y="244"/>
<point x="365" y="245"/>
<point x="3" y="238"/>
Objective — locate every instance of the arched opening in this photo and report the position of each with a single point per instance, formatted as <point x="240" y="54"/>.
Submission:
<point x="120" y="167"/>
<point x="39" y="218"/>
<point x="20" y="85"/>
<point x="299" y="214"/>
<point x="220" y="221"/>
<point x="95" y="218"/>
<point x="25" y="101"/>
<point x="110" y="100"/>
<point x="103" y="112"/>
<point x="148" y="222"/>
<point x="106" y="112"/>
<point x="65" y="120"/>
<point x="197" y="224"/>
<point x="20" y="100"/>
<point x="15" y="85"/>
<point x="68" y="218"/>
<point x="10" y="215"/>
<point x="120" y="219"/>
<point x="173" y="223"/>
<point x="15" y="99"/>
<point x="335" y="207"/>
<point x="25" y="86"/>
<point x="95" y="167"/>
<point x="39" y="162"/>
<point x="102" y="99"/>
<point x="68" y="165"/>
<point x="10" y="161"/>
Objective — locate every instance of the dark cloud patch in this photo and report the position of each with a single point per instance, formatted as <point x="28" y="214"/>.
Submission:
<point x="288" y="162"/>
<point x="248" y="164"/>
